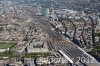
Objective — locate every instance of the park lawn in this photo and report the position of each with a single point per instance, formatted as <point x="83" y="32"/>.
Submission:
<point x="6" y="45"/>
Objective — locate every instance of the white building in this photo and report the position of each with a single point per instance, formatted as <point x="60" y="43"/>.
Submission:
<point x="98" y="26"/>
